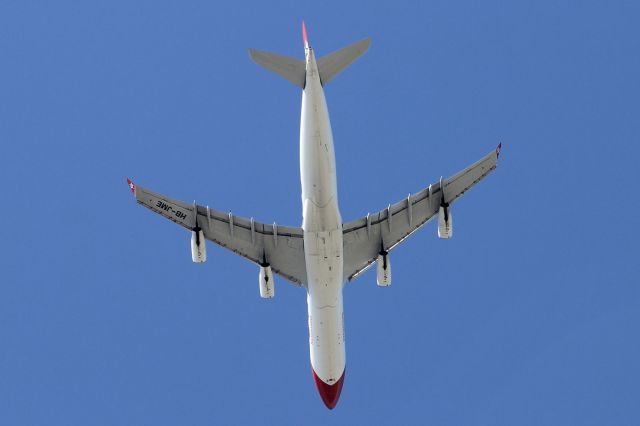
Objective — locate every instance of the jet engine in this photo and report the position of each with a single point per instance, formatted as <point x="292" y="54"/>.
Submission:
<point x="267" y="285"/>
<point x="383" y="270"/>
<point x="445" y="222"/>
<point x="198" y="247"/>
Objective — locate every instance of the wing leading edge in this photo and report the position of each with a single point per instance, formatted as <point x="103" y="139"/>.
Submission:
<point x="280" y="246"/>
<point x="366" y="237"/>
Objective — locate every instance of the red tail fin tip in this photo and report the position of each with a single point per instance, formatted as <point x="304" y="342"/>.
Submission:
<point x="304" y="36"/>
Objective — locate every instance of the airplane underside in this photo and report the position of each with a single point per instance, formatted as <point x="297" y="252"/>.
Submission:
<point x="325" y="252"/>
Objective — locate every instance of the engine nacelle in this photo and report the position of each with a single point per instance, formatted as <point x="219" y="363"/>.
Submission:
<point x="445" y="222"/>
<point x="267" y="285"/>
<point x="384" y="270"/>
<point x="198" y="247"/>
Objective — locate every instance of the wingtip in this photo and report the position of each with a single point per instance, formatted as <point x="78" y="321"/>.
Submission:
<point x="498" y="149"/>
<point x="305" y="39"/>
<point x="132" y="186"/>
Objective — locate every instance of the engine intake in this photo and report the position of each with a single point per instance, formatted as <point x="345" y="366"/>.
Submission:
<point x="383" y="270"/>
<point x="267" y="285"/>
<point x="198" y="247"/>
<point x="445" y="222"/>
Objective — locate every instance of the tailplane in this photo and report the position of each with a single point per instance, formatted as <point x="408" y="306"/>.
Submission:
<point x="294" y="70"/>
<point x="291" y="69"/>
<point x="334" y="63"/>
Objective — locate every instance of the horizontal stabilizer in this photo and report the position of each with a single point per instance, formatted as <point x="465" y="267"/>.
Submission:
<point x="334" y="63"/>
<point x="293" y="70"/>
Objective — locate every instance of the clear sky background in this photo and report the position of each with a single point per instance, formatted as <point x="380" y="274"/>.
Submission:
<point x="528" y="316"/>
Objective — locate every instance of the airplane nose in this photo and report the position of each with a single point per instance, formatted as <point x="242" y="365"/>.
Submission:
<point x="329" y="393"/>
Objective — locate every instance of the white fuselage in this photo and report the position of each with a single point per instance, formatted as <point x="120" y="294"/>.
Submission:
<point x="322" y="225"/>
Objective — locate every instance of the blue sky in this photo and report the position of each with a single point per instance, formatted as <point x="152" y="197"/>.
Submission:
<point x="528" y="316"/>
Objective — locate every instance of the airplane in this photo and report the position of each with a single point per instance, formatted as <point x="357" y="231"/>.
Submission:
<point x="324" y="253"/>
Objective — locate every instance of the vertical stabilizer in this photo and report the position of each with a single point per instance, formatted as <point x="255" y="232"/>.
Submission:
<point x="305" y="39"/>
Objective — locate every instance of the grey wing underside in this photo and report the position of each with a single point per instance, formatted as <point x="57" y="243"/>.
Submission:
<point x="280" y="246"/>
<point x="366" y="237"/>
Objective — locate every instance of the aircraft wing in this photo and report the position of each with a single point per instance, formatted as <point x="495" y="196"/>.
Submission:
<point x="281" y="246"/>
<point x="366" y="237"/>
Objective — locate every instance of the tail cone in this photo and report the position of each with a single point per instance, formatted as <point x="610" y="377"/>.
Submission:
<point x="329" y="393"/>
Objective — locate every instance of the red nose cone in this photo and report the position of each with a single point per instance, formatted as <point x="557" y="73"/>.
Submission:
<point x="329" y="393"/>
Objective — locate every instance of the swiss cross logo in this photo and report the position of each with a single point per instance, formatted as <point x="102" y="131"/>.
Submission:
<point x="132" y="186"/>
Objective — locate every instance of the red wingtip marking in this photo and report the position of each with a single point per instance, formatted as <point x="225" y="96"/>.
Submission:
<point x="304" y="35"/>
<point x="132" y="186"/>
<point x="329" y="393"/>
